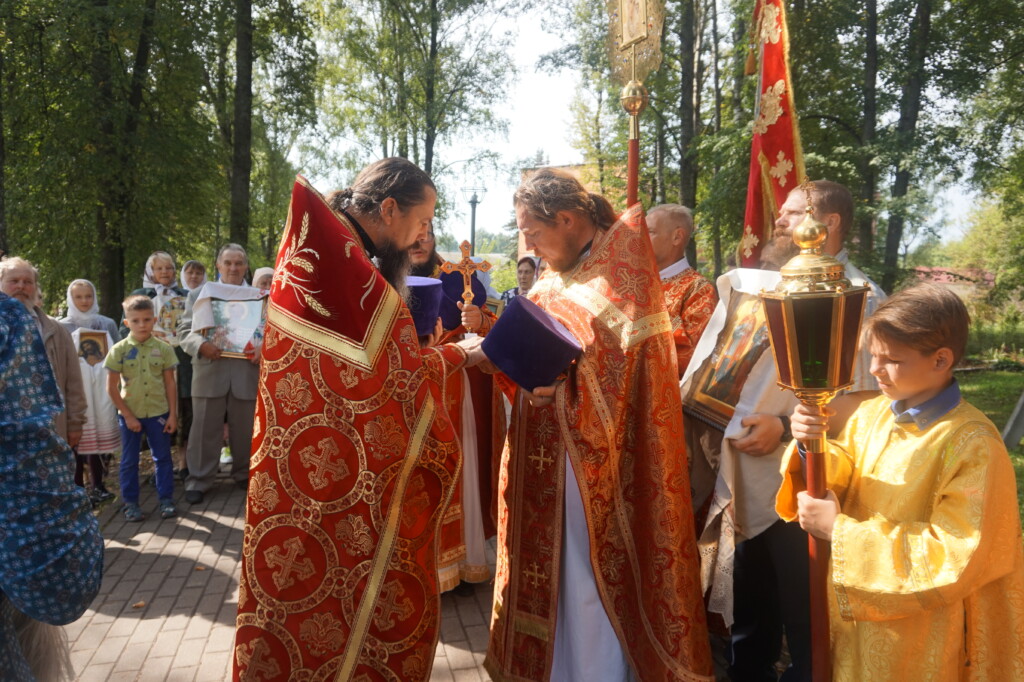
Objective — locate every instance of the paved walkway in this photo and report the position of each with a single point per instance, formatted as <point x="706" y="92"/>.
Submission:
<point x="166" y="610"/>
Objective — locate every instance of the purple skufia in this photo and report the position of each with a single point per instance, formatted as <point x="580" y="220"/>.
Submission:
<point x="424" y="302"/>
<point x="530" y="346"/>
<point x="452" y="286"/>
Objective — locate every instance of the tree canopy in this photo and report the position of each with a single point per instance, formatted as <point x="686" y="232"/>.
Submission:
<point x="133" y="125"/>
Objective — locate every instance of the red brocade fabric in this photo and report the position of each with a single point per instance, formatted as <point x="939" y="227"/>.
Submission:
<point x="354" y="462"/>
<point x="690" y="300"/>
<point x="619" y="418"/>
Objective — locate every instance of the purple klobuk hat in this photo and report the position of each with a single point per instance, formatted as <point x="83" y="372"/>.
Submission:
<point x="452" y="286"/>
<point x="424" y="302"/>
<point x="530" y="346"/>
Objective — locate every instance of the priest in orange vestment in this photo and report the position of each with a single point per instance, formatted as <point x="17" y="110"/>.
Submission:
<point x="354" y="459"/>
<point x="598" y="574"/>
<point x="689" y="298"/>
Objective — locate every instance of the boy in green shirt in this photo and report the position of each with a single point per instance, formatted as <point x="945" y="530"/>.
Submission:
<point x="147" y="403"/>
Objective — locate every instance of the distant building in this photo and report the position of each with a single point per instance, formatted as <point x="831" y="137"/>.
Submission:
<point x="967" y="283"/>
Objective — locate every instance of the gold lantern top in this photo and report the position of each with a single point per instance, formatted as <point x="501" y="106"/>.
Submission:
<point x="814" y="317"/>
<point x="811" y="270"/>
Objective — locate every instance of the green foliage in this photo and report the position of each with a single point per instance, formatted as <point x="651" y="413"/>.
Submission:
<point x="405" y="77"/>
<point x="117" y="131"/>
<point x="503" y="277"/>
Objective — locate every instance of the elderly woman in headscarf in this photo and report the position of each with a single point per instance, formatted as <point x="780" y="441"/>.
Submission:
<point x="51" y="549"/>
<point x="193" y="275"/>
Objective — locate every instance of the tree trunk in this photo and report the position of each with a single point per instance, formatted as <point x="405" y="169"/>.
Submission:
<point x="430" y="92"/>
<point x="910" y="108"/>
<point x="3" y="156"/>
<point x="716" y="227"/>
<point x="739" y="60"/>
<point x="659" y="161"/>
<point x="599" y="140"/>
<point x="687" y="77"/>
<point x="241" y="161"/>
<point x="110" y="280"/>
<point x="865" y="229"/>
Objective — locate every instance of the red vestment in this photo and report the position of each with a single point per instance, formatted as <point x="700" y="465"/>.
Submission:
<point x="489" y="421"/>
<point x="690" y="300"/>
<point x="354" y="461"/>
<point x="619" y="420"/>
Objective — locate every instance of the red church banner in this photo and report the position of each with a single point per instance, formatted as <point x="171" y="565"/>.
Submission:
<point x="776" y="159"/>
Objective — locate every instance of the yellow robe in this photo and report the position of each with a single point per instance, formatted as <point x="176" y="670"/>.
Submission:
<point x="927" y="570"/>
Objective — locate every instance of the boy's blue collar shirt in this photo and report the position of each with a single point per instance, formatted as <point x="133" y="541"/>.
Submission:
<point x="930" y="411"/>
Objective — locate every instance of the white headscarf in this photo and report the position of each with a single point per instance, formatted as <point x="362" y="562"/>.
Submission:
<point x="260" y="272"/>
<point x="147" y="277"/>
<point x="181" y="276"/>
<point x="76" y="315"/>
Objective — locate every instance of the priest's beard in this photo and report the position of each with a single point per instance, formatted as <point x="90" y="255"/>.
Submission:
<point x="394" y="265"/>
<point x="778" y="252"/>
<point x="425" y="269"/>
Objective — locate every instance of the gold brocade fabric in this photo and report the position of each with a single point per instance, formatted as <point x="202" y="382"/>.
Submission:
<point x="354" y="462"/>
<point x="690" y="300"/>
<point x="619" y="419"/>
<point x="927" y="567"/>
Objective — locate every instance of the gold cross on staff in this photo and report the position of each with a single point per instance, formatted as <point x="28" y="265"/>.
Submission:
<point x="467" y="267"/>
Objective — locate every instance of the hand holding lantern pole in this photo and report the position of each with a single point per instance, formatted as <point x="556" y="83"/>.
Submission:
<point x="814" y="318"/>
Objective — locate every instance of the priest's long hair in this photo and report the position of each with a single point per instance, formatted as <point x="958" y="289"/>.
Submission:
<point x="394" y="177"/>
<point x="547" y="191"/>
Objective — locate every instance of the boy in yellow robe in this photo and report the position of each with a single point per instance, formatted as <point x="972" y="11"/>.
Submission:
<point x="927" y="573"/>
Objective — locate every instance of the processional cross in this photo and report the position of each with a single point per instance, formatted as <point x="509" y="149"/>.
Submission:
<point x="467" y="266"/>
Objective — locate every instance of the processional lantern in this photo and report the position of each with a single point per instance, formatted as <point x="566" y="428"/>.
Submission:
<point x="634" y="48"/>
<point x="814" y="317"/>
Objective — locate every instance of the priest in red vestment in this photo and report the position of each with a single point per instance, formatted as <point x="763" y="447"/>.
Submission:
<point x="355" y="458"/>
<point x="689" y="298"/>
<point x="477" y="414"/>
<point x="598" y="574"/>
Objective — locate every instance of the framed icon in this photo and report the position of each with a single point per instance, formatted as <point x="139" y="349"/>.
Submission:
<point x="236" y="325"/>
<point x="633" y="20"/>
<point x="717" y="385"/>
<point x="92" y="346"/>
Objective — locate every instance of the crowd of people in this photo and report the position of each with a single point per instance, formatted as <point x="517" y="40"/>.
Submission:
<point x="649" y="505"/>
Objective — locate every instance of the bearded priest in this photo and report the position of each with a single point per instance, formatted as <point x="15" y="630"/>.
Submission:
<point x="598" y="574"/>
<point x="355" y="458"/>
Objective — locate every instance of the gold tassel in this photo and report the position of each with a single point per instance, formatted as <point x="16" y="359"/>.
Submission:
<point x="750" y="67"/>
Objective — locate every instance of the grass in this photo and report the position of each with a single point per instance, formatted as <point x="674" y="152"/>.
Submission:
<point x="996" y="394"/>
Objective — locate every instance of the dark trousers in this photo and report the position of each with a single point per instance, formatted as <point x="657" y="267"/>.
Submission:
<point x="95" y="470"/>
<point x="770" y="594"/>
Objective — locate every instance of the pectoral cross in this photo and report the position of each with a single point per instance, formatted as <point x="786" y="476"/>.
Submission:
<point x="467" y="267"/>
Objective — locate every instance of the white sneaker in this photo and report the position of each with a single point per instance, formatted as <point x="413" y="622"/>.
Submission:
<point x="225" y="456"/>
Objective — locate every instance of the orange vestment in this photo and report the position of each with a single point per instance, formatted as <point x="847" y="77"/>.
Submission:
<point x="354" y="461"/>
<point x="690" y="300"/>
<point x="618" y="417"/>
